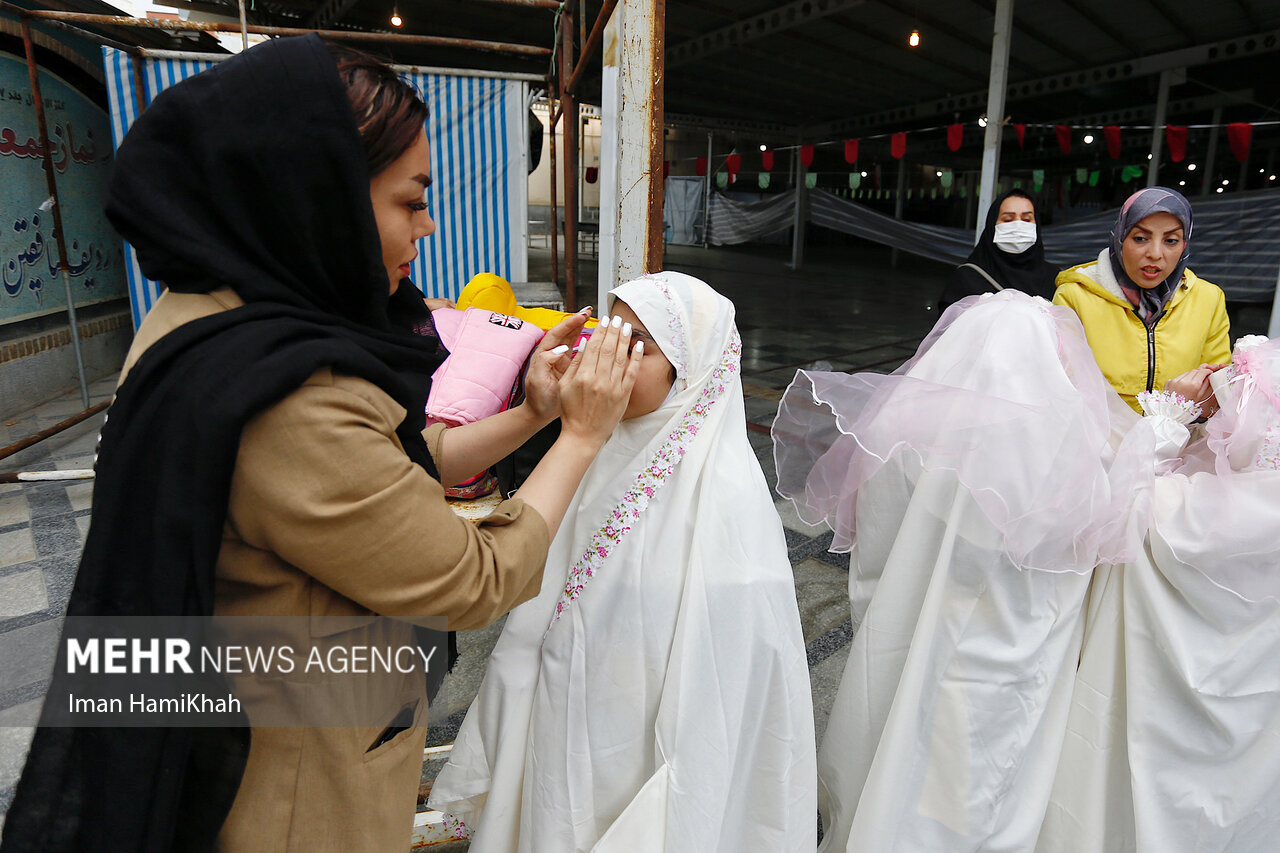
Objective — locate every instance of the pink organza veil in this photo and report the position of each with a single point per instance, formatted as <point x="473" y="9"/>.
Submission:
<point x="1005" y="393"/>
<point x="1220" y="511"/>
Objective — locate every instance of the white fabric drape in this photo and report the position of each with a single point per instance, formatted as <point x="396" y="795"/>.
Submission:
<point x="655" y="696"/>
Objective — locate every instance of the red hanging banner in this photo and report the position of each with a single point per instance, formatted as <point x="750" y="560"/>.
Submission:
<point x="593" y="172"/>
<point x="1021" y="130"/>
<point x="1112" y="134"/>
<point x="955" y="136"/>
<point x="766" y="160"/>
<point x="701" y="167"/>
<point x="733" y="163"/>
<point x="666" y="169"/>
<point x="898" y="145"/>
<point x="1177" y="137"/>
<point x="806" y="155"/>
<point x="1064" y="138"/>
<point x="1239" y="135"/>
<point x="851" y="150"/>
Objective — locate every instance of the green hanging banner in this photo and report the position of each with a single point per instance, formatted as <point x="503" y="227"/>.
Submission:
<point x="999" y="187"/>
<point x="933" y="192"/>
<point x="1082" y="176"/>
<point x="855" y="180"/>
<point x="947" y="178"/>
<point x="1017" y="184"/>
<point x="910" y="193"/>
<point x="964" y="191"/>
<point x="810" y="180"/>
<point x="1093" y="178"/>
<point x="722" y="179"/>
<point x="763" y="180"/>
<point x="1128" y="173"/>
<point x="1037" y="179"/>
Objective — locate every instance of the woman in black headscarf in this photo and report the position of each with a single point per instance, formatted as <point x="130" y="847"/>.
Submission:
<point x="265" y="459"/>
<point x="1009" y="254"/>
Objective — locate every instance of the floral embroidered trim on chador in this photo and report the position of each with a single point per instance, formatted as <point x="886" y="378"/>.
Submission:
<point x="651" y="479"/>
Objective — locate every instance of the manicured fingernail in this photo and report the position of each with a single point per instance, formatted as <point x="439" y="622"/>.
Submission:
<point x="626" y="329"/>
<point x="604" y="321"/>
<point x="585" y="311"/>
<point x="560" y="350"/>
<point x="639" y="347"/>
<point x="617" y="321"/>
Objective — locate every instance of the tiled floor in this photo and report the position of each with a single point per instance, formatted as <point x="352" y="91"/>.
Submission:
<point x="847" y="309"/>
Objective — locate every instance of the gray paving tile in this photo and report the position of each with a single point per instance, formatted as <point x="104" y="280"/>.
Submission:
<point x="60" y="535"/>
<point x="26" y="654"/>
<point x="17" y="546"/>
<point x="80" y="495"/>
<point x="14" y="508"/>
<point x="22" y="593"/>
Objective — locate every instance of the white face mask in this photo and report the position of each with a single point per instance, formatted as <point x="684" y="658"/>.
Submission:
<point x="1015" y="237"/>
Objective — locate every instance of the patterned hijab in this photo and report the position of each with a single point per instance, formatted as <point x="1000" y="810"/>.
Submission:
<point x="1150" y="302"/>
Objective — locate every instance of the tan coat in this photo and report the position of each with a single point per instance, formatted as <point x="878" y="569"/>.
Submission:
<point x="334" y="537"/>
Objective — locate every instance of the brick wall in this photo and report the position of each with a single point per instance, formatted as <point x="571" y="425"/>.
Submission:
<point x="44" y="341"/>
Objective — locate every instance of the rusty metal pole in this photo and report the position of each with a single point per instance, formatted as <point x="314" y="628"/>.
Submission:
<point x="657" y="138"/>
<point x="569" y="111"/>
<point x="555" y="213"/>
<point x="223" y="27"/>
<point x="58" y="234"/>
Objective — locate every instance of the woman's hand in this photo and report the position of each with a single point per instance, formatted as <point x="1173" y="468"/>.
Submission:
<point x="436" y="302"/>
<point x="1194" y="386"/>
<point x="547" y="367"/>
<point x="595" y="388"/>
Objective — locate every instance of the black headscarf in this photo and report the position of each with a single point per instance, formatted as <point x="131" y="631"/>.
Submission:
<point x="249" y="176"/>
<point x="1026" y="271"/>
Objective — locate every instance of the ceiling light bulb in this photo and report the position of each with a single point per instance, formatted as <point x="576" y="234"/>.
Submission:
<point x="1191" y="167"/>
<point x="764" y="148"/>
<point x="939" y="174"/>
<point x="1088" y="139"/>
<point x="1182" y="183"/>
<point x="914" y="40"/>
<point x="1219" y="189"/>
<point x="396" y="20"/>
<point x="1225" y="182"/>
<point x="982" y="121"/>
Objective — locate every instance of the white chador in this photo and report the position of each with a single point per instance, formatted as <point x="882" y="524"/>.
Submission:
<point x="972" y="492"/>
<point x="655" y="695"/>
<point x="1173" y="736"/>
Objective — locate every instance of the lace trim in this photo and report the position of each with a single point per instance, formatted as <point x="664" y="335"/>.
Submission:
<point x="1268" y="457"/>
<point x="680" y="358"/>
<point x="1169" y="404"/>
<point x="652" y="478"/>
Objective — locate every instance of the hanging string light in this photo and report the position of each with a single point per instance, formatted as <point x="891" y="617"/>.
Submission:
<point x="914" y="39"/>
<point x="396" y="20"/>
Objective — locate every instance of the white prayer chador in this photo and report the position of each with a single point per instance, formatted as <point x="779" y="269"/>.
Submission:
<point x="1173" y="740"/>
<point x="974" y="491"/>
<point x="655" y="696"/>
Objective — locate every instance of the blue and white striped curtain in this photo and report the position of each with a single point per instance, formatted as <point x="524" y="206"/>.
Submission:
<point x="479" y="189"/>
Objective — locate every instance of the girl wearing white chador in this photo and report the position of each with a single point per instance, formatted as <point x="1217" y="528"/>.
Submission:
<point x="1173" y="739"/>
<point x="975" y="488"/>
<point x="655" y="696"/>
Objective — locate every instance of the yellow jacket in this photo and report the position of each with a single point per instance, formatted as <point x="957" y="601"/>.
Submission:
<point x="1193" y="329"/>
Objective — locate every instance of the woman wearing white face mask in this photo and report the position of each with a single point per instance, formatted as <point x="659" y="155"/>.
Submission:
<point x="1010" y="253"/>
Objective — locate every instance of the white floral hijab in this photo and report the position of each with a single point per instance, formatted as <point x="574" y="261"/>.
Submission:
<point x="693" y="326"/>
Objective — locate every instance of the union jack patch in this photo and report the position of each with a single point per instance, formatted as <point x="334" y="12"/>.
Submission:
<point x="503" y="320"/>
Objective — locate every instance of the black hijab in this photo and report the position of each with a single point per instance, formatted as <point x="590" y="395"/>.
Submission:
<point x="250" y="176"/>
<point x="1027" y="271"/>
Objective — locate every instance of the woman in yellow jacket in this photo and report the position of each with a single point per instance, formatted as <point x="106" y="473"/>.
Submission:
<point x="1147" y="317"/>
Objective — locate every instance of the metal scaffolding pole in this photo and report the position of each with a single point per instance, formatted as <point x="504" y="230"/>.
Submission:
<point x="1000" y="39"/>
<point x="220" y="27"/>
<point x="569" y="111"/>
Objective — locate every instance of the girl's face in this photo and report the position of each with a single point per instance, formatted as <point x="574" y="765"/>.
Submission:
<point x="1151" y="249"/>
<point x="398" y="193"/>
<point x="656" y="373"/>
